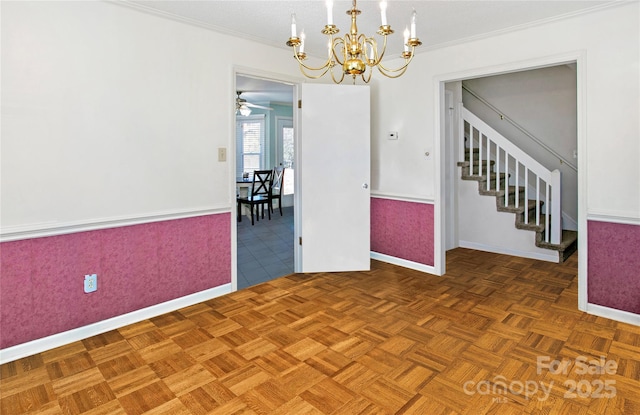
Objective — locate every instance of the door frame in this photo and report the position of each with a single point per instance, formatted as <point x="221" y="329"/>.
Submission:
<point x="231" y="158"/>
<point x="440" y="210"/>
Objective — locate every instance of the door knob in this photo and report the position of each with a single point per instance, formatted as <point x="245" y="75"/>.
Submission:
<point x="365" y="186"/>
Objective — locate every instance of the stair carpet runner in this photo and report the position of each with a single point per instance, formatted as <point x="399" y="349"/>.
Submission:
<point x="569" y="243"/>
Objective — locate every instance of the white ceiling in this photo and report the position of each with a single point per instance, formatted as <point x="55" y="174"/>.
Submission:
<point x="439" y="23"/>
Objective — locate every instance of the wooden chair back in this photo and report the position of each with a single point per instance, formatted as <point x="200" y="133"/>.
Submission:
<point x="261" y="185"/>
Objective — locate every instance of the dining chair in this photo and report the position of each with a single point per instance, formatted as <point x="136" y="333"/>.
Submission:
<point x="276" y="188"/>
<point x="258" y="196"/>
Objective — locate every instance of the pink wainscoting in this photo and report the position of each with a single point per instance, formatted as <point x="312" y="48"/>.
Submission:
<point x="614" y="265"/>
<point x="41" y="280"/>
<point x="402" y="229"/>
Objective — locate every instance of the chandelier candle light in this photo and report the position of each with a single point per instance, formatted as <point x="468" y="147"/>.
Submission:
<point x="354" y="52"/>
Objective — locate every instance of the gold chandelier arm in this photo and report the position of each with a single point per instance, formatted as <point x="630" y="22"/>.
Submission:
<point x="397" y="72"/>
<point x="366" y="80"/>
<point x="377" y="58"/>
<point x="308" y="75"/>
<point x="334" y="78"/>
<point x="334" y="44"/>
<point x="401" y="70"/>
<point x="327" y="64"/>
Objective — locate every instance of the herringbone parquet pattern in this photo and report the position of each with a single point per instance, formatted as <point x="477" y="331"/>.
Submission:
<point x="390" y="340"/>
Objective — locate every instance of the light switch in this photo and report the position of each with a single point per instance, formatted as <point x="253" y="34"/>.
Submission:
<point x="222" y="154"/>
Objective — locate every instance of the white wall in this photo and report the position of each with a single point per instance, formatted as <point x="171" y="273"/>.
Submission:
<point x="482" y="227"/>
<point x="400" y="167"/>
<point x="542" y="101"/>
<point x="607" y="42"/>
<point x="109" y="113"/>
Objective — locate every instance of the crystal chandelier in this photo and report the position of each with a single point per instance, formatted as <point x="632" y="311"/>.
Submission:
<point x="354" y="52"/>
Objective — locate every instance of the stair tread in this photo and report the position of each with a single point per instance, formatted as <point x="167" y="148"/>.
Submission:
<point x="569" y="239"/>
<point x="511" y="207"/>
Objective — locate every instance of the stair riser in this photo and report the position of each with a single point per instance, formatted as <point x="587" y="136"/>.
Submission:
<point x="569" y="241"/>
<point x="466" y="171"/>
<point x="531" y="206"/>
<point x="476" y="170"/>
<point x="564" y="249"/>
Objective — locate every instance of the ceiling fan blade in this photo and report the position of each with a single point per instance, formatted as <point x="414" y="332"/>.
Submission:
<point x="248" y="104"/>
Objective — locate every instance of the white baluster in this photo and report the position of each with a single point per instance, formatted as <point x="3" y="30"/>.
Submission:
<point x="497" y="167"/>
<point x="472" y="131"/>
<point x="556" y="213"/>
<point x="517" y="192"/>
<point x="462" y="129"/>
<point x="537" y="200"/>
<point x="506" y="178"/>
<point x="526" y="195"/>
<point x="479" y="153"/>
<point x="488" y="158"/>
<point x="546" y="216"/>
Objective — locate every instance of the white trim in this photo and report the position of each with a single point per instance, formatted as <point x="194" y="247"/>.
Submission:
<point x="613" y="314"/>
<point x="513" y="252"/>
<point x="577" y="56"/>
<point x="402" y="198"/>
<point x="522" y="26"/>
<point x="612" y="217"/>
<point x="516" y="66"/>
<point x="403" y="262"/>
<point x="245" y="71"/>
<point x="60" y="339"/>
<point x="440" y="163"/>
<point x="15" y="233"/>
<point x="198" y="23"/>
<point x="193" y="22"/>
<point x="582" y="132"/>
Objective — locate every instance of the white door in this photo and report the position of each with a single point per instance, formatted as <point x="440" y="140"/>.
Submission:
<point x="334" y="154"/>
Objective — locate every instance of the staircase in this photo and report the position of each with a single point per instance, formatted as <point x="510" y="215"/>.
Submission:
<point x="519" y="184"/>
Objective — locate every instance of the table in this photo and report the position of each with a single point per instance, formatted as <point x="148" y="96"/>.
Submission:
<point x="243" y="187"/>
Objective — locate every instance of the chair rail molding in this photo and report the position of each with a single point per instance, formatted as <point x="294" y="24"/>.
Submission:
<point x="402" y="197"/>
<point x="39" y="230"/>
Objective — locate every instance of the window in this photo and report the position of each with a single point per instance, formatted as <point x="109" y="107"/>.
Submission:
<point x="286" y="154"/>
<point x="287" y="159"/>
<point x="250" y="144"/>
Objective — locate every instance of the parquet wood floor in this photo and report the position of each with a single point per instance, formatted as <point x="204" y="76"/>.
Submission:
<point x="387" y="341"/>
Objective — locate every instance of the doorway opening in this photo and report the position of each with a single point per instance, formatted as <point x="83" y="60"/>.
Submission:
<point x="264" y="140"/>
<point x="561" y="81"/>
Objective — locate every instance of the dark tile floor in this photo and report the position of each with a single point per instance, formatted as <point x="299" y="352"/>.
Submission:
<point x="265" y="250"/>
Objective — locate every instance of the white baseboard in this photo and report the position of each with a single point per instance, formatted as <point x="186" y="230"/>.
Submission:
<point x="551" y="257"/>
<point x="613" y="314"/>
<point x="403" y="263"/>
<point x="60" y="339"/>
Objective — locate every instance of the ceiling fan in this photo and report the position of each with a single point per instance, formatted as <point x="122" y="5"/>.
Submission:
<point x="243" y="107"/>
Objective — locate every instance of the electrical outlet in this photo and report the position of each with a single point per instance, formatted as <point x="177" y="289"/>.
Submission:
<point x="90" y="283"/>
